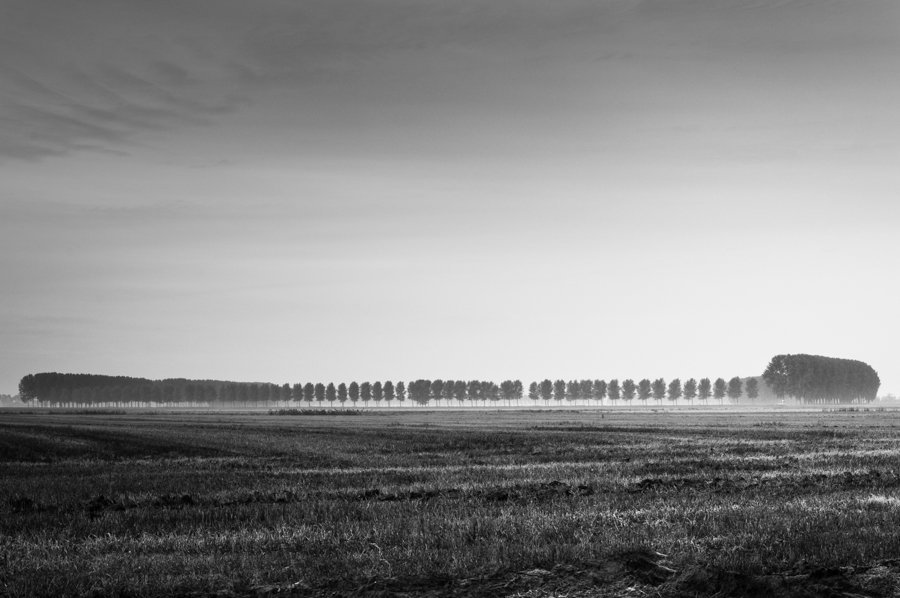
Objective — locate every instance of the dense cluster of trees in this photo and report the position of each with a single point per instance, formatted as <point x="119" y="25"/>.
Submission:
<point x="91" y="389"/>
<point x="818" y="379"/>
<point x="54" y="389"/>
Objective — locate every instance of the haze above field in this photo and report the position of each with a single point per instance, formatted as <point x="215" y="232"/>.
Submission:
<point x="289" y="191"/>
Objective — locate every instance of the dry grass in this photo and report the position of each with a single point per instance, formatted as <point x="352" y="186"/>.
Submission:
<point x="155" y="504"/>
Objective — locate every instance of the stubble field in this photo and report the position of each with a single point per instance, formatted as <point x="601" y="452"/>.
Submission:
<point x="575" y="503"/>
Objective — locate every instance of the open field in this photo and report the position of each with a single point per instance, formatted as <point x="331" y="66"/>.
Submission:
<point x="576" y="503"/>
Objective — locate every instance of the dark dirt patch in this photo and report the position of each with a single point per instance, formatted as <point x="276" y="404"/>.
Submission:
<point x="610" y="577"/>
<point x="634" y="573"/>
<point x="842" y="481"/>
<point x="844" y="582"/>
<point x="541" y="492"/>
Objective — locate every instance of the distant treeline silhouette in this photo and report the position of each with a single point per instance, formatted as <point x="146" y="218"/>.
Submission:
<point x="80" y="390"/>
<point x="805" y="377"/>
<point x="818" y="379"/>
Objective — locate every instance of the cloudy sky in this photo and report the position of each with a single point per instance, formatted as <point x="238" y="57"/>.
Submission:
<point x="317" y="190"/>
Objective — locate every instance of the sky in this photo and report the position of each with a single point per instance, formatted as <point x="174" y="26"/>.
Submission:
<point x="339" y="190"/>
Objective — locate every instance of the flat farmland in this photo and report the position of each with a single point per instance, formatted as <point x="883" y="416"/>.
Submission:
<point x="493" y="503"/>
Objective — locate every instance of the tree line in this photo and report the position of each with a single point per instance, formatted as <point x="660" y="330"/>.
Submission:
<point x="55" y="389"/>
<point x="819" y="379"/>
<point x="807" y="378"/>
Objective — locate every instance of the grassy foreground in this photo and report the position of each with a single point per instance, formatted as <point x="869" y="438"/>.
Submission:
<point x="493" y="503"/>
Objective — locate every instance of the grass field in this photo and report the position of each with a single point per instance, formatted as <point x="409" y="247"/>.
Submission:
<point x="575" y="503"/>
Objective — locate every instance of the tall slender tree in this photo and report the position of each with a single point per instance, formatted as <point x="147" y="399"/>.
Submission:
<point x="719" y="389"/>
<point x="704" y="389"/>
<point x="353" y="391"/>
<point x="645" y="390"/>
<point x="508" y="391"/>
<point x="377" y="392"/>
<point x="674" y="391"/>
<point x="752" y="388"/>
<point x="600" y="390"/>
<point x="559" y="390"/>
<point x="459" y="391"/>
<point x="573" y="390"/>
<point x="389" y="392"/>
<point x="437" y="390"/>
<point x="735" y="389"/>
<point x="473" y="390"/>
<point x="447" y="390"/>
<point x="320" y="392"/>
<point x="342" y="393"/>
<point x="690" y="390"/>
<point x="628" y="389"/>
<point x="546" y="390"/>
<point x="613" y="390"/>
<point x="659" y="389"/>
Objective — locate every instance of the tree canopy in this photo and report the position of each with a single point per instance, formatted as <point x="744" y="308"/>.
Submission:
<point x="814" y="378"/>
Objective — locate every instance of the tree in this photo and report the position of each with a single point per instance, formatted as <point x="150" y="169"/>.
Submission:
<point x="331" y="393"/>
<point x="645" y="390"/>
<point x="353" y="391"/>
<point x="447" y="391"/>
<point x="490" y="391"/>
<point x="628" y="389"/>
<point x="704" y="389"/>
<point x="309" y="392"/>
<point x="559" y="390"/>
<point x="600" y="390"/>
<point x="342" y="393"/>
<point x="437" y="390"/>
<point x="573" y="390"/>
<point x="401" y="391"/>
<point x="508" y="390"/>
<point x="659" y="389"/>
<point x="518" y="389"/>
<point x="389" y="392"/>
<point x="819" y="379"/>
<point x="735" y="389"/>
<point x="587" y="389"/>
<point x="420" y="391"/>
<point x="546" y="390"/>
<point x="473" y="390"/>
<point x="612" y="390"/>
<point x="459" y="391"/>
<point x="377" y="391"/>
<point x="320" y="392"/>
<point x="674" y="390"/>
<point x="719" y="389"/>
<point x="365" y="392"/>
<point x="533" y="393"/>
<point x="690" y="390"/>
<point x="752" y="388"/>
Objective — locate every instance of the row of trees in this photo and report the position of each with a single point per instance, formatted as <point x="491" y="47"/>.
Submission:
<point x="643" y="390"/>
<point x="818" y="379"/>
<point x="54" y="389"/>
